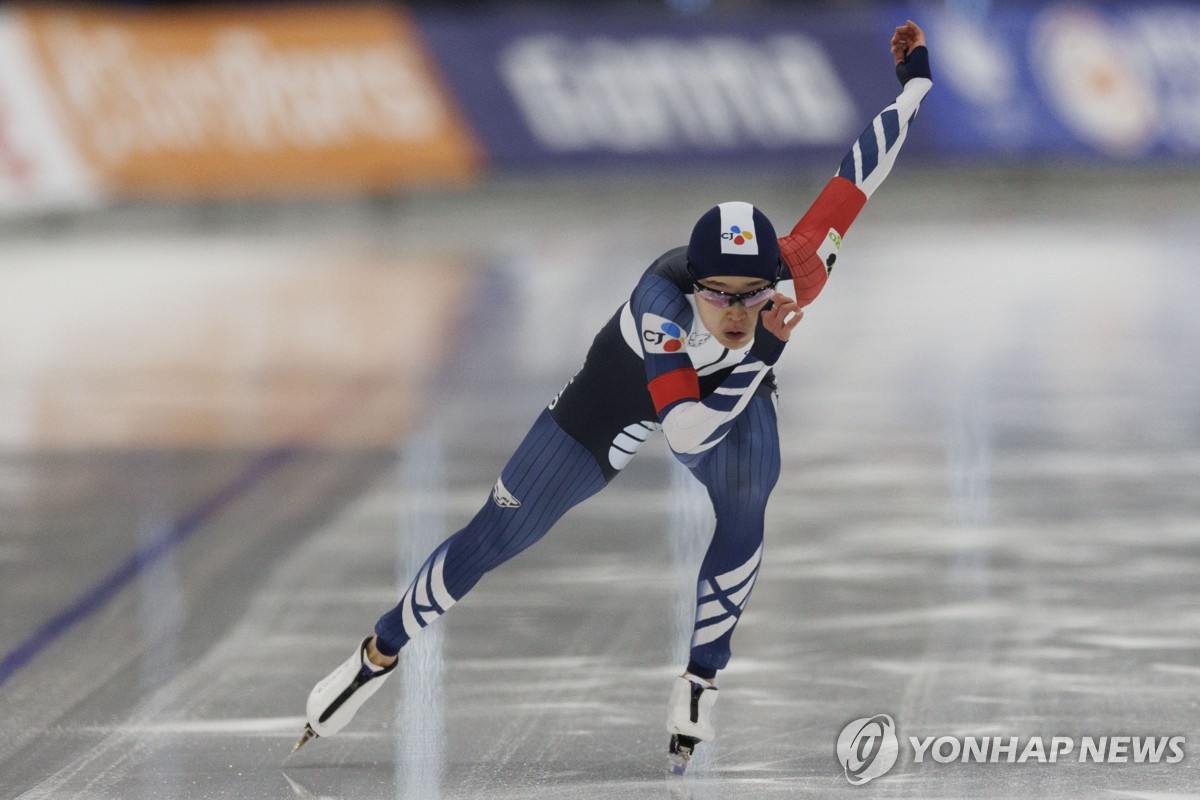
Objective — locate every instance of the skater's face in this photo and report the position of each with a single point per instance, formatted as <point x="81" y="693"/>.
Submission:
<point x="732" y="325"/>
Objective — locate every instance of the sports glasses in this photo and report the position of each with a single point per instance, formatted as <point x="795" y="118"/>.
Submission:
<point x="750" y="299"/>
<point x="719" y="299"/>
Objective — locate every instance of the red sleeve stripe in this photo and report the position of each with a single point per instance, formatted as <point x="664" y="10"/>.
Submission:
<point x="808" y="273"/>
<point x="836" y="207"/>
<point x="671" y="387"/>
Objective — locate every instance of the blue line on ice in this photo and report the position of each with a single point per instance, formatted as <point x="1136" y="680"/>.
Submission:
<point x="169" y="538"/>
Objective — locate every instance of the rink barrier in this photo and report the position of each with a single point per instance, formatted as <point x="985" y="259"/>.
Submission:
<point x="225" y="101"/>
<point x="1073" y="81"/>
<point x="100" y="103"/>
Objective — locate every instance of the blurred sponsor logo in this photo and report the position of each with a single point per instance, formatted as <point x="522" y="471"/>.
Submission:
<point x="1102" y="91"/>
<point x="38" y="167"/>
<point x="980" y="67"/>
<point x="1168" y="39"/>
<point x="267" y="100"/>
<point x="662" y="94"/>
<point x="15" y="166"/>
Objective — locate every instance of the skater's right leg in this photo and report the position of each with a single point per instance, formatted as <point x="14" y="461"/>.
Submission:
<point x="549" y="473"/>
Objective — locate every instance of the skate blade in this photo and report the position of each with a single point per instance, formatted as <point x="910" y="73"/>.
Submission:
<point x="679" y="752"/>
<point x="308" y="734"/>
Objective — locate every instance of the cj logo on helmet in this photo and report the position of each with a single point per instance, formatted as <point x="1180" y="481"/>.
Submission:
<point x="661" y="335"/>
<point x="736" y="235"/>
<point x="867" y="748"/>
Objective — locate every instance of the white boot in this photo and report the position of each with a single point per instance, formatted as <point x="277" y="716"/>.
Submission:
<point x="334" y="701"/>
<point x="689" y="718"/>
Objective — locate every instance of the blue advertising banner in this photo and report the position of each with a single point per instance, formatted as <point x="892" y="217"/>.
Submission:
<point x="1069" y="81"/>
<point x="615" y="89"/>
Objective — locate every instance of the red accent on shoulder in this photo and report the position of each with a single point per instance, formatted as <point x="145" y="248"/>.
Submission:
<point x="836" y="207"/>
<point x="671" y="387"/>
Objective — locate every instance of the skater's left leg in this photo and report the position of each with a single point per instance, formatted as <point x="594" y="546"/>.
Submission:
<point x="739" y="474"/>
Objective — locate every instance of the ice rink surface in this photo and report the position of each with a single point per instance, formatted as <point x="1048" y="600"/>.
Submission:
<point x="229" y="435"/>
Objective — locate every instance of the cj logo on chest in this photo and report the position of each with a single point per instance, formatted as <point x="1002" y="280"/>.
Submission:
<point x="661" y="335"/>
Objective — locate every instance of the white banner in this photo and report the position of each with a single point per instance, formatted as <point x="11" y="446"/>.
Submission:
<point x="39" y="167"/>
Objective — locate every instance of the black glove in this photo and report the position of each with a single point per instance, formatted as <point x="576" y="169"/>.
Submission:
<point x="767" y="347"/>
<point x="914" y="65"/>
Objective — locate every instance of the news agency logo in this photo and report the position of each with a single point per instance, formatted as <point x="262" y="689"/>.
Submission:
<point x="867" y="748"/>
<point x="1048" y="750"/>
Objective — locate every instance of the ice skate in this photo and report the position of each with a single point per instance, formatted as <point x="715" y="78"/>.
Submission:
<point x="689" y="719"/>
<point x="334" y="701"/>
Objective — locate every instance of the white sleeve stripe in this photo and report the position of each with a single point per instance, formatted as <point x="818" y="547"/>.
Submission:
<point x="712" y="632"/>
<point x="880" y="138"/>
<point x="440" y="595"/>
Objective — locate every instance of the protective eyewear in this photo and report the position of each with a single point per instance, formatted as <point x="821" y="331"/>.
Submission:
<point x="726" y="299"/>
<point x="751" y="299"/>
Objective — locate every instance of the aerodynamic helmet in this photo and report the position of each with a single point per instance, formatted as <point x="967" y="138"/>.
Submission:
<point x="734" y="239"/>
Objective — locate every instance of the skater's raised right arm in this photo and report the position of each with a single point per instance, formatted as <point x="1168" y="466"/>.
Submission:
<point x="812" y="247"/>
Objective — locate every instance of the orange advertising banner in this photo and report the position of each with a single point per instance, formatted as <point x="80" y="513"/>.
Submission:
<point x="249" y="101"/>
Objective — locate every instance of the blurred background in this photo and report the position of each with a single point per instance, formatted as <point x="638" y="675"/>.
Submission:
<point x="194" y="165"/>
<point x="273" y="275"/>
